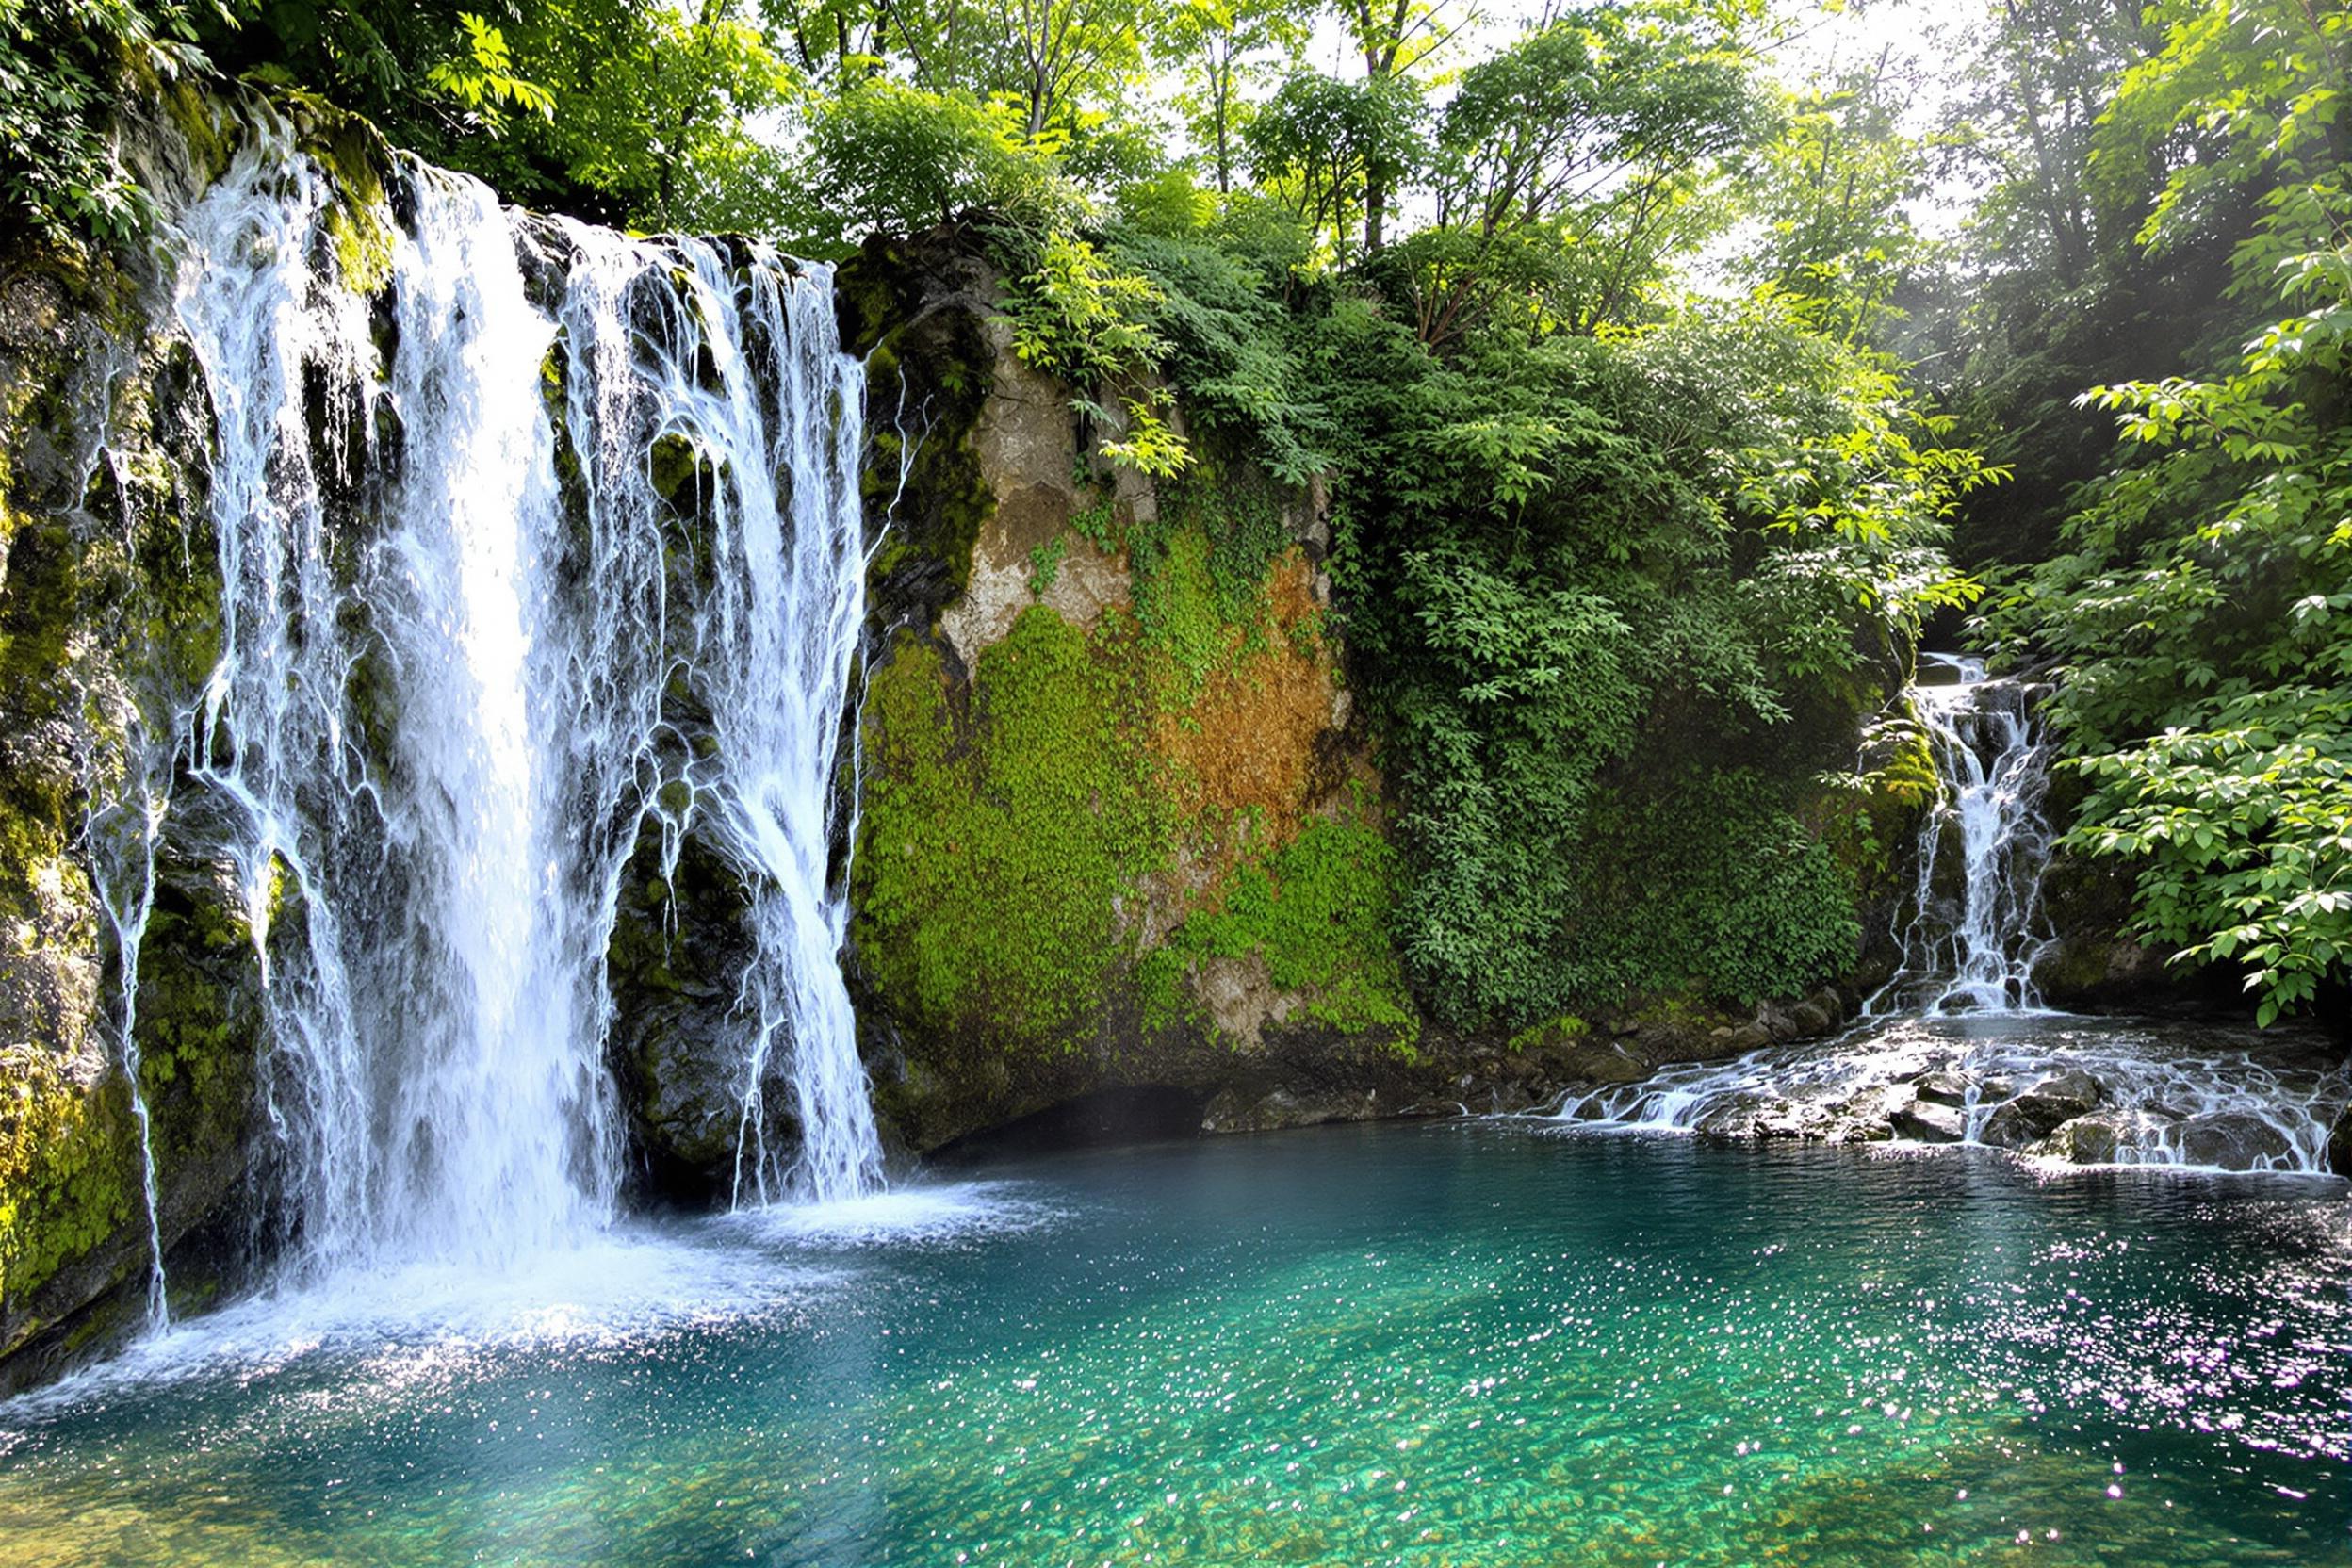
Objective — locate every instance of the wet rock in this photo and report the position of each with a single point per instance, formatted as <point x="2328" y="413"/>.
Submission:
<point x="1734" y="1039"/>
<point x="2233" y="1140"/>
<point x="2087" y="1139"/>
<point x="2041" y="1110"/>
<point x="1600" y="1061"/>
<point x="1242" y="999"/>
<point x="2340" y="1144"/>
<point x="1236" y="1112"/>
<point x="1925" y="1121"/>
<point x="1942" y="1089"/>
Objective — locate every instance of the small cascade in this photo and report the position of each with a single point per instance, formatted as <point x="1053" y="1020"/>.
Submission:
<point x="553" y="537"/>
<point x="1970" y="930"/>
<point x="1957" y="1049"/>
<point x="2090" y="1091"/>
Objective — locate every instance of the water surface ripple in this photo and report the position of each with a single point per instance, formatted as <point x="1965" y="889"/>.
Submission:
<point x="1449" y="1346"/>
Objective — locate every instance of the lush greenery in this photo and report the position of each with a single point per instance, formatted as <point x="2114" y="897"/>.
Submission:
<point x="2200" y="608"/>
<point x="1005" y="838"/>
<point x="1647" y="384"/>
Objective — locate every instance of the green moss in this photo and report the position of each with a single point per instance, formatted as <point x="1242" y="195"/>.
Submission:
<point x="363" y="243"/>
<point x="1551" y="1032"/>
<point x="210" y="136"/>
<point x="1001" y="844"/>
<point x="356" y="159"/>
<point x="1198" y="568"/>
<point x="682" y="473"/>
<point x="1318" y="913"/>
<point x="38" y="804"/>
<point x="66" y="1172"/>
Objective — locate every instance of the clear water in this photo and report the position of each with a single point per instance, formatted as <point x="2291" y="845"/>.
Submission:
<point x="1450" y="1345"/>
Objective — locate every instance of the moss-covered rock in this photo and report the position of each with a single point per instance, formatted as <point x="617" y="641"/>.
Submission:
<point x="109" y="626"/>
<point x="1120" y="824"/>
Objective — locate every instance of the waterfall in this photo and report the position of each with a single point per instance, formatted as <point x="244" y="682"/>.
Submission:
<point x="1957" y="1048"/>
<point x="1970" y="932"/>
<point x="473" y="642"/>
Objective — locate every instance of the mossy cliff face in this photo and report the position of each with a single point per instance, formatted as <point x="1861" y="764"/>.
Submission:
<point x="1122" y="824"/>
<point x="109" y="624"/>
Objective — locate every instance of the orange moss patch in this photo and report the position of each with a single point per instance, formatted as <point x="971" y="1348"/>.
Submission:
<point x="1245" y="748"/>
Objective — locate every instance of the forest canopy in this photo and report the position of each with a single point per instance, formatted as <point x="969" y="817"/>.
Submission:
<point x="1671" y="372"/>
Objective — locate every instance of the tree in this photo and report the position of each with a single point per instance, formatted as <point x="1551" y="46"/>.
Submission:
<point x="2199" y="619"/>
<point x="1561" y="161"/>
<point x="1323" y="147"/>
<point x="1391" y="37"/>
<point x="1832" y="193"/>
<point x="1219" y="46"/>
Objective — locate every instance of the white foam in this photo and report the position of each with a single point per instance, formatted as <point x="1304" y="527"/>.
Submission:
<point x="2163" y="1088"/>
<point x="395" y="1325"/>
<point x="919" y="1215"/>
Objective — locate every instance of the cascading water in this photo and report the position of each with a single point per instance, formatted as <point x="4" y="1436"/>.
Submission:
<point x="122" y="828"/>
<point x="1971" y="933"/>
<point x="471" y="643"/>
<point x="1957" y="1047"/>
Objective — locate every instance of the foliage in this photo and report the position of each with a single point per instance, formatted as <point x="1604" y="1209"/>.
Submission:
<point x="1609" y="554"/>
<point x="897" y="159"/>
<point x="62" y="67"/>
<point x="1322" y="146"/>
<point x="1218" y="46"/>
<point x="2197" y="616"/>
<point x="1086" y="321"/>
<point x="1567" y="165"/>
<point x="1559" y="550"/>
<point x="1833" y="197"/>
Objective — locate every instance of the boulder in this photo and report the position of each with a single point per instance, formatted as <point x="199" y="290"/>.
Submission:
<point x="1811" y="1019"/>
<point x="1942" y="1089"/>
<point x="2233" y="1140"/>
<point x="1737" y="1039"/>
<point x="1926" y="1121"/>
<point x="2041" y="1110"/>
<point x="2087" y="1139"/>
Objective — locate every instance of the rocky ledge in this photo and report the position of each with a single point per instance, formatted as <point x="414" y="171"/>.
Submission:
<point x="2081" y="1090"/>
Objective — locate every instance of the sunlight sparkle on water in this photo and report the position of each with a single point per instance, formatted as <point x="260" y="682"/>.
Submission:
<point x="1450" y="1348"/>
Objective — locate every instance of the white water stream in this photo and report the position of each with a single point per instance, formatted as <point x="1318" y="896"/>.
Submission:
<point x="1971" y="931"/>
<point x="469" y="649"/>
